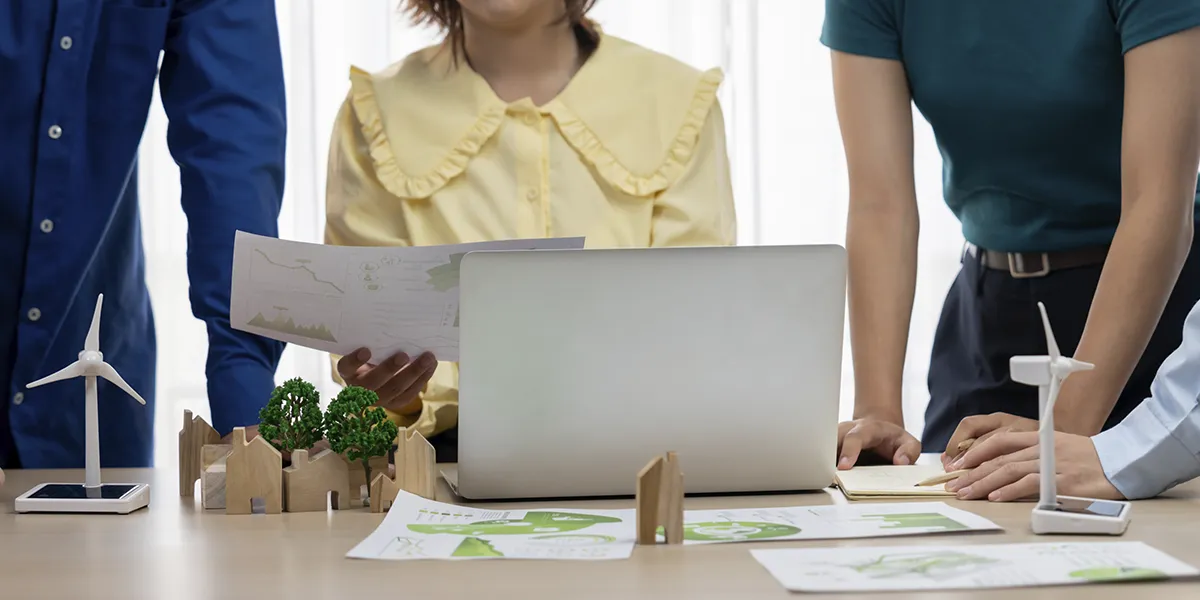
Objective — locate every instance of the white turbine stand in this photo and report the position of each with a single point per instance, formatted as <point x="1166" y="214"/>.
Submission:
<point x="1056" y="514"/>
<point x="92" y="496"/>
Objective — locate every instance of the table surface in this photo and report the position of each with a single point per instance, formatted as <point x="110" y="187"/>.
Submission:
<point x="177" y="550"/>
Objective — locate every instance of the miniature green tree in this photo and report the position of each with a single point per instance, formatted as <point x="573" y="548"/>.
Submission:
<point x="358" y="429"/>
<point x="292" y="420"/>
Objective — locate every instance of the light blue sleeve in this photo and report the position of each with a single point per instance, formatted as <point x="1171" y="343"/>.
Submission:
<point x="1157" y="446"/>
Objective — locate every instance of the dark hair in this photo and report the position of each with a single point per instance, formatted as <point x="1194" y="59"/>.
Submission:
<point x="448" y="16"/>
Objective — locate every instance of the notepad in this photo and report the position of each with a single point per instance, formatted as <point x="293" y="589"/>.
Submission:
<point x="891" y="481"/>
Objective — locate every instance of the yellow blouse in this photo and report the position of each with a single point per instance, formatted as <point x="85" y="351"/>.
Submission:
<point x="630" y="154"/>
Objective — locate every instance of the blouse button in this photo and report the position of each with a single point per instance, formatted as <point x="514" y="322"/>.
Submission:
<point x="532" y="194"/>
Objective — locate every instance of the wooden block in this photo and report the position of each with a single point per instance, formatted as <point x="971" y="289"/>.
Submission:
<point x="416" y="465"/>
<point x="212" y="479"/>
<point x="253" y="471"/>
<point x="649" y="484"/>
<point x="383" y="492"/>
<point x="659" y="500"/>
<point x="195" y="434"/>
<point x="309" y="483"/>
<point x="670" y="499"/>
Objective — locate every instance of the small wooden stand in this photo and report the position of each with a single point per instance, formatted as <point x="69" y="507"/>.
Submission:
<point x="196" y="433"/>
<point x="660" y="500"/>
<point x="253" y="471"/>
<point x="416" y="472"/>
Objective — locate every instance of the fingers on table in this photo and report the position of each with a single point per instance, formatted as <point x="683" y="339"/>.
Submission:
<point x="997" y="447"/>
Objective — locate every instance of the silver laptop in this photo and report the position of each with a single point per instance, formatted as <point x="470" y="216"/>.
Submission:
<point x="580" y="366"/>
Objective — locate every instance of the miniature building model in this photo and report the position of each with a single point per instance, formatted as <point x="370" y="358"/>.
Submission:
<point x="308" y="483"/>
<point x="416" y="472"/>
<point x="212" y="475"/>
<point x="253" y="471"/>
<point x="384" y="490"/>
<point x="195" y="434"/>
<point x="660" y="500"/>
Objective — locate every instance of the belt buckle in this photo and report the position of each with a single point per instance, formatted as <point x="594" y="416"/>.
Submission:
<point x="1013" y="265"/>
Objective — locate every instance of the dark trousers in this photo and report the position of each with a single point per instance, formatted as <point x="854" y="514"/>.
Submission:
<point x="990" y="316"/>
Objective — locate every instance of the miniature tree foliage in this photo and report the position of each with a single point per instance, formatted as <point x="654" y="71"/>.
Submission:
<point x="292" y="419"/>
<point x="357" y="428"/>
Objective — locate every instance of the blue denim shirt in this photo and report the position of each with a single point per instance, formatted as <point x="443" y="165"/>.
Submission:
<point x="76" y="82"/>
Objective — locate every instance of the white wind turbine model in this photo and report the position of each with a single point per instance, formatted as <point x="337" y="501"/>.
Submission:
<point x="1054" y="513"/>
<point x="92" y="496"/>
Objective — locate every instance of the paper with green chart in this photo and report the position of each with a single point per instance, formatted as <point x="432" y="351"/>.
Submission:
<point x="416" y="529"/>
<point x="338" y="299"/>
<point x="908" y="568"/>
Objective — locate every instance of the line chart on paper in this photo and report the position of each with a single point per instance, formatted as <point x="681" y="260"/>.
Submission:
<point x="338" y="299"/>
<point x="297" y="274"/>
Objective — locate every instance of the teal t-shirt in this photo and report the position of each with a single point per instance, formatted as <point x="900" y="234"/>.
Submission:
<point x="1026" y="99"/>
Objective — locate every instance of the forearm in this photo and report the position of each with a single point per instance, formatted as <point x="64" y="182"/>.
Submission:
<point x="1145" y="259"/>
<point x="881" y="243"/>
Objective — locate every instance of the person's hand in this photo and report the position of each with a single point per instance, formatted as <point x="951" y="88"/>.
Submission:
<point x="1004" y="468"/>
<point x="398" y="381"/>
<point x="883" y="438"/>
<point x="982" y="427"/>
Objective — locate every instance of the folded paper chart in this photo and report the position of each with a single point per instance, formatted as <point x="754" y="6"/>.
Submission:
<point x="417" y="529"/>
<point x="342" y="298"/>
<point x="891" y="481"/>
<point x="828" y="522"/>
<point x="908" y="568"/>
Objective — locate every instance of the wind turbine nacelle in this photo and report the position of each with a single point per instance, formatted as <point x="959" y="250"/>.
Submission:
<point x="1030" y="370"/>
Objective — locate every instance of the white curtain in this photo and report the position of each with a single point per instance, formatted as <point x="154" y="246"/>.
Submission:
<point x="789" y="172"/>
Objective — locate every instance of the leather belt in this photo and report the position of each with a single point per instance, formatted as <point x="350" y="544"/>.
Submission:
<point x="1027" y="265"/>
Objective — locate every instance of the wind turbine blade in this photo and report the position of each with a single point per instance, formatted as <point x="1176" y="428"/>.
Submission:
<point x="1051" y="344"/>
<point x="93" y="337"/>
<point x="74" y="369"/>
<point x="106" y="371"/>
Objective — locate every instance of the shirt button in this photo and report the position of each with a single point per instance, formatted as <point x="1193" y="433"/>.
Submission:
<point x="47" y="226"/>
<point x="65" y="42"/>
<point x="18" y="398"/>
<point x="532" y="194"/>
<point x="34" y="314"/>
<point x="55" y="132"/>
<point x="531" y="120"/>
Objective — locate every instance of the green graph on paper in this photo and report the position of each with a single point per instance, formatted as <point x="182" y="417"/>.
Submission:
<point x="926" y="521"/>
<point x="445" y="277"/>
<point x="932" y="565"/>
<point x="288" y="325"/>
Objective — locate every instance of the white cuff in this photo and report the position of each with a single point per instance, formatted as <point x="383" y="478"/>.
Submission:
<point x="1142" y="457"/>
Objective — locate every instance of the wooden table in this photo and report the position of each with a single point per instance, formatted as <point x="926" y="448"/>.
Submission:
<point x="176" y="550"/>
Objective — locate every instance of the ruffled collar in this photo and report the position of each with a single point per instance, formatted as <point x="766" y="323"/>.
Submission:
<point x="633" y="114"/>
